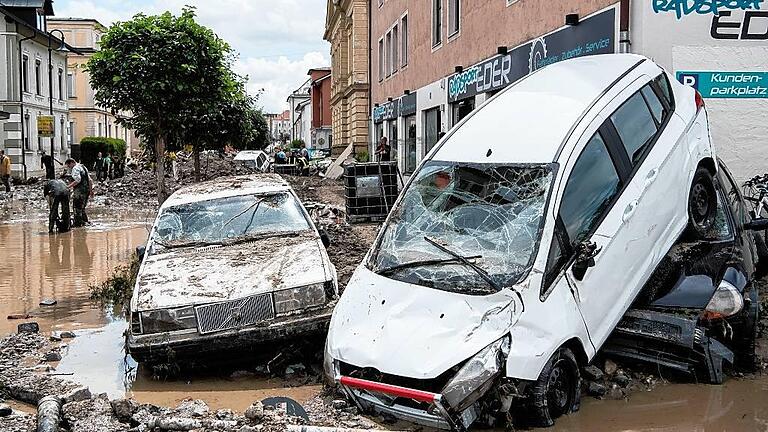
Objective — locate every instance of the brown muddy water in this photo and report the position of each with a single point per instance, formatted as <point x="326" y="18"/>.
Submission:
<point x="37" y="266"/>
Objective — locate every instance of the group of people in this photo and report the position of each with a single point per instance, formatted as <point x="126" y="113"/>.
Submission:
<point x="75" y="183"/>
<point x="107" y="167"/>
<point x="300" y="158"/>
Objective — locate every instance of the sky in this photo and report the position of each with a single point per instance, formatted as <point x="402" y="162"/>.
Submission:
<point x="278" y="41"/>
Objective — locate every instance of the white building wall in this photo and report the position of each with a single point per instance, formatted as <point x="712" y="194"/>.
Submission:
<point x="684" y="43"/>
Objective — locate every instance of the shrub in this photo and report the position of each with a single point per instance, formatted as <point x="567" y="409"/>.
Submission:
<point x="362" y="156"/>
<point x="118" y="289"/>
<point x="91" y="146"/>
<point x="297" y="143"/>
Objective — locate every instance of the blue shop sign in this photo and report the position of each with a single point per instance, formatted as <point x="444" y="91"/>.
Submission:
<point x="727" y="85"/>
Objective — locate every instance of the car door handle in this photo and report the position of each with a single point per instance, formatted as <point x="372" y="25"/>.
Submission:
<point x="629" y="211"/>
<point x="651" y="177"/>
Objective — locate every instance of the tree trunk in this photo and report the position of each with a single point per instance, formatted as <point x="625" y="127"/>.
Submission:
<point x="196" y="153"/>
<point x="162" y="193"/>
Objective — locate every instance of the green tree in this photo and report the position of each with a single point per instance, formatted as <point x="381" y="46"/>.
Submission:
<point x="167" y="71"/>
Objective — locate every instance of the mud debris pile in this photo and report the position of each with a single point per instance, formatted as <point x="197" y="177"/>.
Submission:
<point x="25" y="376"/>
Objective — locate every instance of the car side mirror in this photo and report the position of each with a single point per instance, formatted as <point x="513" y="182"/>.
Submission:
<point x="324" y="237"/>
<point x="140" y="250"/>
<point x="758" y="224"/>
<point x="585" y="258"/>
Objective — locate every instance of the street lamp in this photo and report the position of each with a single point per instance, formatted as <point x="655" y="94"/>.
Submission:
<point x="61" y="48"/>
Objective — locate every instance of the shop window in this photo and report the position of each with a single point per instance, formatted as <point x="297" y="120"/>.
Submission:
<point x="410" y="144"/>
<point x="462" y="109"/>
<point x="393" y="142"/>
<point x="431" y="128"/>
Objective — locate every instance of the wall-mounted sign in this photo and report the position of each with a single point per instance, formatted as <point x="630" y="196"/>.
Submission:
<point x="735" y="85"/>
<point x="730" y="19"/>
<point x="593" y="35"/>
<point x="45" y="126"/>
<point x="387" y="111"/>
<point x="408" y="104"/>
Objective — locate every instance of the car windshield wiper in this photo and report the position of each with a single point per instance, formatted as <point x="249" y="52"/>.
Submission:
<point x="394" y="268"/>
<point x="197" y="243"/>
<point x="479" y="270"/>
<point x="259" y="236"/>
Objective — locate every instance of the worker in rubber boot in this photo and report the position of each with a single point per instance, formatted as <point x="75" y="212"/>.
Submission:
<point x="57" y="193"/>
<point x="82" y="188"/>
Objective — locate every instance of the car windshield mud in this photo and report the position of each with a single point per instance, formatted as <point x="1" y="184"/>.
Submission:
<point x="489" y="217"/>
<point x="228" y="220"/>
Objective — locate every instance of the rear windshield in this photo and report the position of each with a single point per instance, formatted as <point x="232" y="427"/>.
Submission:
<point x="470" y="228"/>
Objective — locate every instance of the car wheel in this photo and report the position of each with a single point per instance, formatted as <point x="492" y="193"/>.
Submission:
<point x="702" y="203"/>
<point x="556" y="392"/>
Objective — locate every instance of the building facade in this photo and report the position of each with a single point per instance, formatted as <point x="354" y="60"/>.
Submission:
<point x="724" y="55"/>
<point x="300" y="114"/>
<point x="346" y="28"/>
<point x="279" y="126"/>
<point x="320" y="100"/>
<point x="435" y="61"/>
<point x="31" y="88"/>
<point x="86" y="117"/>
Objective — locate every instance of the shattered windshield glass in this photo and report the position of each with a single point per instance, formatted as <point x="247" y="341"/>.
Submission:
<point x="228" y="219"/>
<point x="469" y="228"/>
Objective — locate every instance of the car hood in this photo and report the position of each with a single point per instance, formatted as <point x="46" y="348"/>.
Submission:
<point x="186" y="276"/>
<point x="413" y="331"/>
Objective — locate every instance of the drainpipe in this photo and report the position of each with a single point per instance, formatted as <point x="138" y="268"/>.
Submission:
<point x="21" y="102"/>
<point x="624" y="42"/>
<point x="48" y="414"/>
<point x="370" y="81"/>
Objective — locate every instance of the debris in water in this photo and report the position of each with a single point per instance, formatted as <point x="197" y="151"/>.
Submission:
<point x="30" y="327"/>
<point x="48" y="302"/>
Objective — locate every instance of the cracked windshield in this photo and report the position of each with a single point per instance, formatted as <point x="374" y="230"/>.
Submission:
<point x="227" y="219"/>
<point x="356" y="215"/>
<point x="466" y="228"/>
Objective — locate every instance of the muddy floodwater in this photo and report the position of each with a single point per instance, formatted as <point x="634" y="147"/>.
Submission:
<point x="36" y="266"/>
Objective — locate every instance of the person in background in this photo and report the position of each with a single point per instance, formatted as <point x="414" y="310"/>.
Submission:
<point x="107" y="166"/>
<point x="57" y="194"/>
<point x="280" y="157"/>
<point x="82" y="188"/>
<point x="47" y="161"/>
<point x="383" y="151"/>
<point x="98" y="166"/>
<point x="5" y="171"/>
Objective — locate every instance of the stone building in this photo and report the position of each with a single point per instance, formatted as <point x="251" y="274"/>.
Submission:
<point x="346" y="28"/>
<point x="86" y="117"/>
<point x="31" y="86"/>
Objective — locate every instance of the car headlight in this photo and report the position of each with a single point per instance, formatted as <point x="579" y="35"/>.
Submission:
<point x="165" y="320"/>
<point x="726" y="301"/>
<point x="295" y="299"/>
<point x="476" y="376"/>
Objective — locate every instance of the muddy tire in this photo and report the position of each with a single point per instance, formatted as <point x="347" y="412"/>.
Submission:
<point x="556" y="392"/>
<point x="702" y="203"/>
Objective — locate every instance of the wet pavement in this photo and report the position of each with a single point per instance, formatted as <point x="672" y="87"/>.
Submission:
<point x="38" y="266"/>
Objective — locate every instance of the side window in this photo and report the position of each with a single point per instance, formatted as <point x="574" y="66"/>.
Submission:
<point x="734" y="198"/>
<point x="635" y="126"/>
<point x="592" y="185"/>
<point x="657" y="108"/>
<point x="666" y="89"/>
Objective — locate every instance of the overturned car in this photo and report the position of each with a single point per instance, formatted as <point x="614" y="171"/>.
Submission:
<point x="520" y="243"/>
<point x="230" y="263"/>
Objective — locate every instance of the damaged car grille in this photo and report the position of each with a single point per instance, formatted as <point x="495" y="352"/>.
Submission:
<point x="236" y="313"/>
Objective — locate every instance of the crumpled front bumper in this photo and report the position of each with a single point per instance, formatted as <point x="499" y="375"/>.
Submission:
<point x="189" y="343"/>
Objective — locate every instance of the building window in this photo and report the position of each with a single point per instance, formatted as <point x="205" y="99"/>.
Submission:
<point x="100" y="130"/>
<point x="109" y="131"/>
<point x="25" y="73"/>
<point x="61" y="84"/>
<point x="388" y="54"/>
<point x="381" y="59"/>
<point x="404" y="39"/>
<point x="70" y="132"/>
<point x="62" y="135"/>
<point x="38" y="83"/>
<point x="27" y="140"/>
<point x="437" y="22"/>
<point x="454" y="17"/>
<point x="395" y="47"/>
<point x="70" y="84"/>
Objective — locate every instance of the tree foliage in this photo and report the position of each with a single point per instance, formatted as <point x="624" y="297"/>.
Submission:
<point x="175" y="78"/>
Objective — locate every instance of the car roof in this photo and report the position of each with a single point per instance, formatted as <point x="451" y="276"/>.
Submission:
<point x="248" y="154"/>
<point x="529" y="120"/>
<point x="223" y="187"/>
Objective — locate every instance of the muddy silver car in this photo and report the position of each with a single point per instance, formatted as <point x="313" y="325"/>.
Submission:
<point x="230" y="263"/>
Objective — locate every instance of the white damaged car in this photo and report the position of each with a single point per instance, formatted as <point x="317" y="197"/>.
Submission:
<point x="519" y="244"/>
<point x="230" y="263"/>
